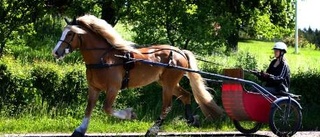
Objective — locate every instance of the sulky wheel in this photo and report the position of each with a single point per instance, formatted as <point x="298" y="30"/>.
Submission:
<point x="285" y="118"/>
<point x="247" y="127"/>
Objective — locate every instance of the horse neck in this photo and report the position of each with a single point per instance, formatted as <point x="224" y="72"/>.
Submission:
<point x="93" y="48"/>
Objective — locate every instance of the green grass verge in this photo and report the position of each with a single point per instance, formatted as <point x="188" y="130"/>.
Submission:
<point x="306" y="59"/>
<point x="99" y="124"/>
<point x="44" y="123"/>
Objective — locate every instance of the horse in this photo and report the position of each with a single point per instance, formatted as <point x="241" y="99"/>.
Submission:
<point x="101" y="45"/>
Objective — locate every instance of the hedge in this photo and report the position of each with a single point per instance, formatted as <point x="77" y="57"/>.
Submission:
<point x="51" y="86"/>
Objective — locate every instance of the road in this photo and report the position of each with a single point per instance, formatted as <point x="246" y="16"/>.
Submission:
<point x="196" y="134"/>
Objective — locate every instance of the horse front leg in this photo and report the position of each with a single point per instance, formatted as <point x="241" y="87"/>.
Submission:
<point x="121" y="114"/>
<point x="92" y="100"/>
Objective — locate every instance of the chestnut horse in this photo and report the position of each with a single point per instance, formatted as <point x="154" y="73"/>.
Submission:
<point x="99" y="44"/>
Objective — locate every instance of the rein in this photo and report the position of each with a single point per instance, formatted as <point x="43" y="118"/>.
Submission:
<point x="166" y="49"/>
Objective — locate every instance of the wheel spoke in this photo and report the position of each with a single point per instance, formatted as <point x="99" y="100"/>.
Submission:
<point x="285" y="119"/>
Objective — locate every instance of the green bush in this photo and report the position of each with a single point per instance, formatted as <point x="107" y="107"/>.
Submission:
<point x="246" y="61"/>
<point x="307" y="85"/>
<point x="16" y="90"/>
<point x="290" y="41"/>
<point x="46" y="81"/>
<point x="73" y="88"/>
<point x="59" y="90"/>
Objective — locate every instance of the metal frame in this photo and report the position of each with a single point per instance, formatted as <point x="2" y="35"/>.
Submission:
<point x="270" y="97"/>
<point x="266" y="94"/>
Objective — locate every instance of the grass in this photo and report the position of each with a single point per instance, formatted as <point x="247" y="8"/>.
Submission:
<point x="306" y="59"/>
<point x="101" y="123"/>
<point x="30" y="123"/>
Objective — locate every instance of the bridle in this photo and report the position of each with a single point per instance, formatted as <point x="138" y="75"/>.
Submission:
<point x="68" y="49"/>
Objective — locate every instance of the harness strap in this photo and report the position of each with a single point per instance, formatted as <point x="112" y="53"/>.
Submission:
<point x="128" y="64"/>
<point x="101" y="65"/>
<point x="170" y="63"/>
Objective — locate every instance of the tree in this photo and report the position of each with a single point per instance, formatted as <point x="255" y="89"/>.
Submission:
<point x="312" y="36"/>
<point x="187" y="24"/>
<point x="15" y="15"/>
<point x="110" y="10"/>
<point x="238" y="14"/>
<point x="198" y="25"/>
<point x="205" y="24"/>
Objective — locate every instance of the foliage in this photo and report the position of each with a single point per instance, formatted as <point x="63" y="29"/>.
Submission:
<point x="264" y="29"/>
<point x="241" y="15"/>
<point x="16" y="88"/>
<point x="110" y="10"/>
<point x="179" y="23"/>
<point x="313" y="36"/>
<point x="204" y="25"/>
<point x="302" y="42"/>
<point x="246" y="61"/>
<point x="306" y="84"/>
<point x="43" y="89"/>
<point x="201" y="26"/>
<point x="25" y="86"/>
<point x="17" y="15"/>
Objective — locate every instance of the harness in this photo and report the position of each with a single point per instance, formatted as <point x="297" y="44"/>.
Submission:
<point x="127" y="57"/>
<point x="127" y="64"/>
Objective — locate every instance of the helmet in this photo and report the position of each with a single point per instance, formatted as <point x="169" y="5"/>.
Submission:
<point x="280" y="46"/>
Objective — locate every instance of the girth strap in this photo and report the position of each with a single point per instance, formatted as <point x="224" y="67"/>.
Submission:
<point x="128" y="64"/>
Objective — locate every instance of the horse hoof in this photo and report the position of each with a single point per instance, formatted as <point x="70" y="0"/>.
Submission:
<point x="153" y="131"/>
<point x="130" y="114"/>
<point x="77" y="134"/>
<point x="196" y="121"/>
<point x="133" y="115"/>
<point x="147" y="134"/>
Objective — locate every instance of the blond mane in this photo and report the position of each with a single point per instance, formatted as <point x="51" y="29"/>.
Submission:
<point x="104" y="29"/>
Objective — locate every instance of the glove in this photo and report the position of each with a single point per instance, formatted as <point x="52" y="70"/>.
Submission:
<point x="264" y="74"/>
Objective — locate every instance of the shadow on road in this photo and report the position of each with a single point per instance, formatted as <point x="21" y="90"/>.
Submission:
<point x="215" y="135"/>
<point x="141" y="135"/>
<point x="198" y="135"/>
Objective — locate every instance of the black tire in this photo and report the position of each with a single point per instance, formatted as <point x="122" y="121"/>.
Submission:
<point x="283" y="123"/>
<point x="249" y="128"/>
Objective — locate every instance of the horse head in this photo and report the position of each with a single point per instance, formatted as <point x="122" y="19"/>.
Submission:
<point x="69" y="40"/>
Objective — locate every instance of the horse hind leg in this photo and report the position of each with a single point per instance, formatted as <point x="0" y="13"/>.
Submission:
<point x="185" y="98"/>
<point x="166" y="108"/>
<point x="168" y="84"/>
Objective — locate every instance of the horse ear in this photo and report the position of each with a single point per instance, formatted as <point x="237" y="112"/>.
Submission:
<point x="74" y="21"/>
<point x="67" y="21"/>
<point x="77" y="29"/>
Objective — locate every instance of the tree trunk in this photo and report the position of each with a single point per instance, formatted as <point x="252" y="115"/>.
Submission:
<point x="108" y="12"/>
<point x="232" y="41"/>
<point x="2" y="45"/>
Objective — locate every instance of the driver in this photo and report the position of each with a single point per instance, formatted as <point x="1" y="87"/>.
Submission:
<point x="277" y="76"/>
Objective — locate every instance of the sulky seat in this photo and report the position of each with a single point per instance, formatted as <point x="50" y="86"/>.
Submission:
<point x="240" y="104"/>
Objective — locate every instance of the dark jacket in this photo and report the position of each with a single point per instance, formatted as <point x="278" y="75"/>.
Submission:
<point x="279" y="77"/>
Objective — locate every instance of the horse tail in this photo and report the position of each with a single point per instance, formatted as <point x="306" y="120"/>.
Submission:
<point x="204" y="99"/>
